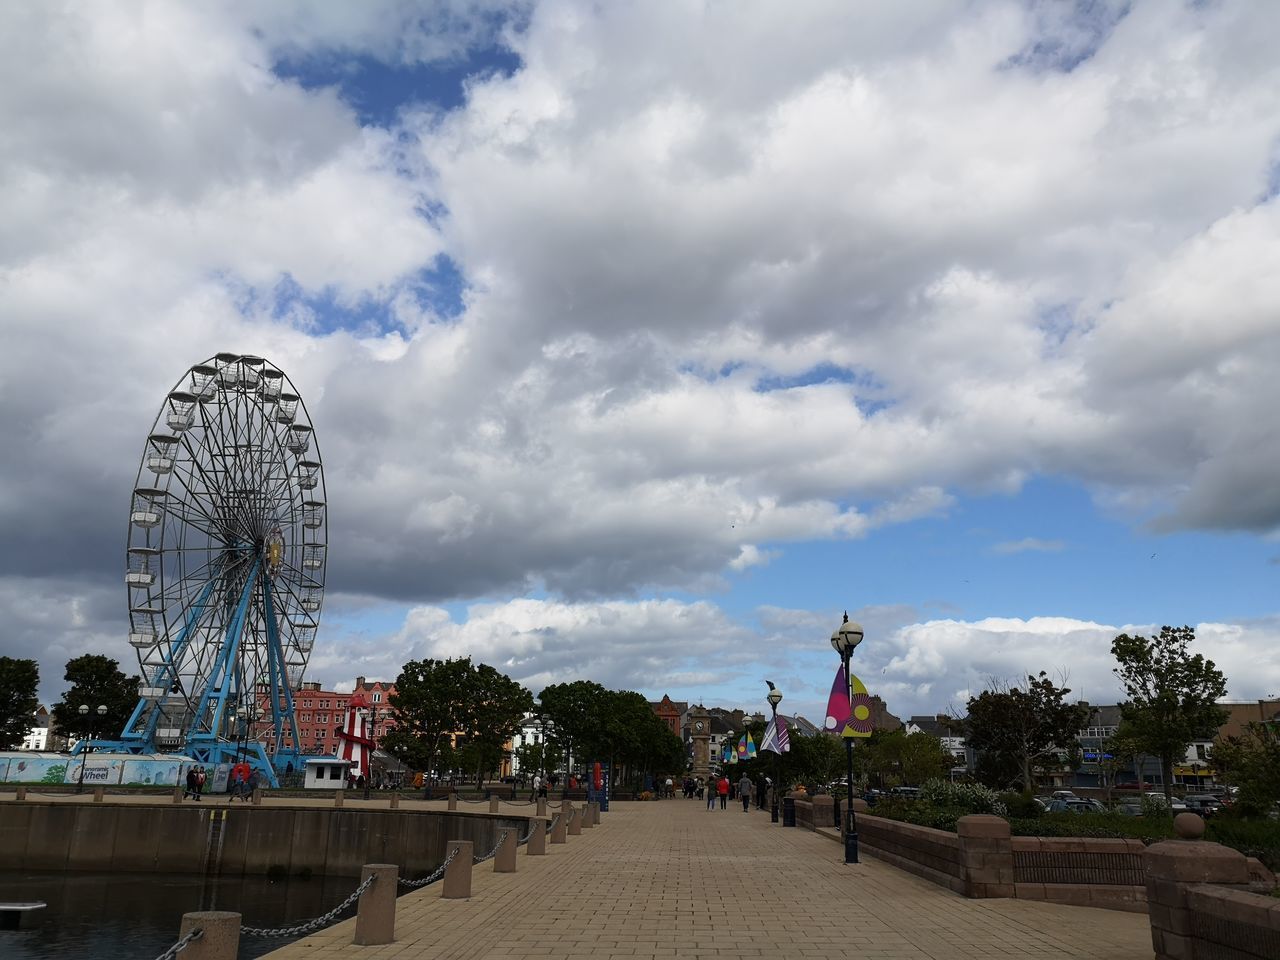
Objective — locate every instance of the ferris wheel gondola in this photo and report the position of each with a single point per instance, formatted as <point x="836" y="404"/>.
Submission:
<point x="226" y="563"/>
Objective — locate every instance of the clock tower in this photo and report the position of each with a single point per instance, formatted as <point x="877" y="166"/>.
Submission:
<point x="700" y="735"/>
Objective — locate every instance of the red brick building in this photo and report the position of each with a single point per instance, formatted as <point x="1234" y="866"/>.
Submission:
<point x="320" y="713"/>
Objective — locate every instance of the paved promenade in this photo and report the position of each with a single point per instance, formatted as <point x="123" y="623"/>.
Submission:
<point x="669" y="879"/>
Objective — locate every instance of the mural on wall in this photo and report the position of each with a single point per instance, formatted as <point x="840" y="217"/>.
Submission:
<point x="35" y="768"/>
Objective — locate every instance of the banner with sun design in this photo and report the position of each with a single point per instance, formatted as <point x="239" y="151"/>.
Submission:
<point x="851" y="715"/>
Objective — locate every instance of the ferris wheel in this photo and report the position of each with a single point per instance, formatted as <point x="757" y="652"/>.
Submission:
<point x="226" y="562"/>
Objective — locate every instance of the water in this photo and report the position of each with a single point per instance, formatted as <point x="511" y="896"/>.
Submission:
<point x="113" y="916"/>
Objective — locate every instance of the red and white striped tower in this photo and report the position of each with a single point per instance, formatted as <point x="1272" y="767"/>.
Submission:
<point x="357" y="745"/>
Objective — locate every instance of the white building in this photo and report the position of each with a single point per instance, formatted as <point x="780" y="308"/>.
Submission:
<point x="37" y="737"/>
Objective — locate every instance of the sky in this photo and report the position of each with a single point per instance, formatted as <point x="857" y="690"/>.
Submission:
<point x="643" y="340"/>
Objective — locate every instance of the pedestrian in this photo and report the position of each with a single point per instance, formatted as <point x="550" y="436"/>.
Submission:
<point x="239" y="781"/>
<point x="711" y="794"/>
<point x="200" y="780"/>
<point x="536" y="792"/>
<point x="190" y="790"/>
<point x="722" y="791"/>
<point x="744" y="791"/>
<point x="670" y="789"/>
<point x="254" y="782"/>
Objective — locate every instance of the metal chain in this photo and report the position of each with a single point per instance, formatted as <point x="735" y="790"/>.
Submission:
<point x="439" y="872"/>
<point x="525" y="839"/>
<point x="466" y="800"/>
<point x="552" y="825"/>
<point x="181" y="945"/>
<point x="494" y="852"/>
<point x="311" y="926"/>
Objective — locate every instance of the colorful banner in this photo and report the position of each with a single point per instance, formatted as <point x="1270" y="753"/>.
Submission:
<point x="849" y="707"/>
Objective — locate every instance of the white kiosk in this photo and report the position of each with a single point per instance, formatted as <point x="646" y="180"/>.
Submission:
<point x="326" y="773"/>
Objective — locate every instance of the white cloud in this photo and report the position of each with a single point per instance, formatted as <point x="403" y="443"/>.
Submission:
<point x="1028" y="544"/>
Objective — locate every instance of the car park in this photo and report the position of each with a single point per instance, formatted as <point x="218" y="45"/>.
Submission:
<point x="1204" y="804"/>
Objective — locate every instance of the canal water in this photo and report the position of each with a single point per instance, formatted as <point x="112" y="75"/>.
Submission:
<point x="113" y="916"/>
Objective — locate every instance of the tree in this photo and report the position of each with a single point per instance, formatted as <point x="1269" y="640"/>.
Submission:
<point x="496" y="706"/>
<point x="1119" y="752"/>
<point x="429" y="706"/>
<point x="96" y="681"/>
<point x="1172" y="695"/>
<point x="1251" y="763"/>
<point x="19" y="680"/>
<point x="1024" y="728"/>
<point x="578" y="710"/>
<point x="894" y="757"/>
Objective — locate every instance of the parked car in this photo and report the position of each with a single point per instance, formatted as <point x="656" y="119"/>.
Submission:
<point x="1130" y="808"/>
<point x="1071" y="805"/>
<point x="906" y="793"/>
<point x="1204" y="804"/>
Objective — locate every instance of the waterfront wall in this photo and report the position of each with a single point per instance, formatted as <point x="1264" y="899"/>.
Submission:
<point x="223" y="839"/>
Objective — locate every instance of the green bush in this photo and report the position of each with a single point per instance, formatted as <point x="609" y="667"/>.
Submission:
<point x="1093" y="825"/>
<point x="1021" y="806"/>
<point x="1253" y="838"/>
<point x="969" y="797"/>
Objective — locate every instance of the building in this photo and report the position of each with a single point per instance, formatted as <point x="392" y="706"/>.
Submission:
<point x="671" y="712"/>
<point x="1243" y="713"/>
<point x="39" y="736"/>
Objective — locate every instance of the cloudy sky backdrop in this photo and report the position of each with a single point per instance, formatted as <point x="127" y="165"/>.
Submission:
<point x="643" y="339"/>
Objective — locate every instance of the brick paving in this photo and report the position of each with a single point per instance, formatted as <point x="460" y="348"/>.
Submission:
<point x="669" y="879"/>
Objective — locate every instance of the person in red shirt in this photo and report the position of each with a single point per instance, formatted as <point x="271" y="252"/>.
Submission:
<point x="722" y="790"/>
<point x="240" y="781"/>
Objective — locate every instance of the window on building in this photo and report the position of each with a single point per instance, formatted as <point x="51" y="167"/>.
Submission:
<point x="306" y="703"/>
<point x="377" y="698"/>
<point x="1200" y="752"/>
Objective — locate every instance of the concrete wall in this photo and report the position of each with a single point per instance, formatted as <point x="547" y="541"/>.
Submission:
<point x="232" y="840"/>
<point x="931" y="854"/>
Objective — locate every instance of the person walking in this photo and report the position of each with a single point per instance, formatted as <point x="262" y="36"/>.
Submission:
<point x="722" y="791"/>
<point x="190" y="790"/>
<point x="744" y="791"/>
<point x="200" y="780"/>
<point x="537" y="787"/>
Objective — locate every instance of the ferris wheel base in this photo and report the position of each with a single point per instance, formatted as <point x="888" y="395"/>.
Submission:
<point x="209" y="751"/>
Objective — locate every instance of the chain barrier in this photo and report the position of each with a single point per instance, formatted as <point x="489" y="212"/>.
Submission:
<point x="520" y="842"/>
<point x="436" y="875"/>
<point x="466" y="800"/>
<point x="181" y="945"/>
<point x="494" y="852"/>
<point x="552" y="825"/>
<point x="311" y="926"/>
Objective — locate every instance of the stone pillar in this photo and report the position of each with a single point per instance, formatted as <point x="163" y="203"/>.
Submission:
<point x="584" y="815"/>
<point x="559" y="831"/>
<point x="256" y="798"/>
<point x="504" y="861"/>
<point x="542" y="807"/>
<point x="99" y="794"/>
<point x="595" y="813"/>
<point x="453" y="800"/>
<point x="376" y="908"/>
<point x="494" y="803"/>
<point x="22" y="793"/>
<point x="220" y="939"/>
<point x="395" y="801"/>
<point x="457" y="878"/>
<point x="824" y="812"/>
<point x="337" y="797"/>
<point x="177" y="794"/>
<point x="1172" y="868"/>
<point x="537" y="837"/>
<point x="575" y="820"/>
<point x="986" y="855"/>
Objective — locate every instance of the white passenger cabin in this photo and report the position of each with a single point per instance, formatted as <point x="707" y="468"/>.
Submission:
<point x="326" y="773"/>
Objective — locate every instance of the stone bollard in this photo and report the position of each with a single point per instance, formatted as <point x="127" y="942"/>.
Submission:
<point x="593" y="813"/>
<point x="457" y="878"/>
<point x="337" y="798"/>
<point x="542" y="806"/>
<point x="986" y="855"/>
<point x="220" y="939"/>
<point x="99" y="794"/>
<point x="584" y="815"/>
<point x="824" y="812"/>
<point x="256" y="798"/>
<point x="22" y="793"/>
<point x="376" y="908"/>
<point x="559" y="831"/>
<point x="494" y="803"/>
<point x="504" y="861"/>
<point x="395" y="801"/>
<point x="177" y="794"/>
<point x="575" y="821"/>
<point x="537" y="837"/>
<point x="1173" y="869"/>
<point x="453" y="801"/>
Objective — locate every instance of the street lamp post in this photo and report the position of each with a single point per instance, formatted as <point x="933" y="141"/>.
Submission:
<point x="83" y="710"/>
<point x="775" y="698"/>
<point x="844" y="640"/>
